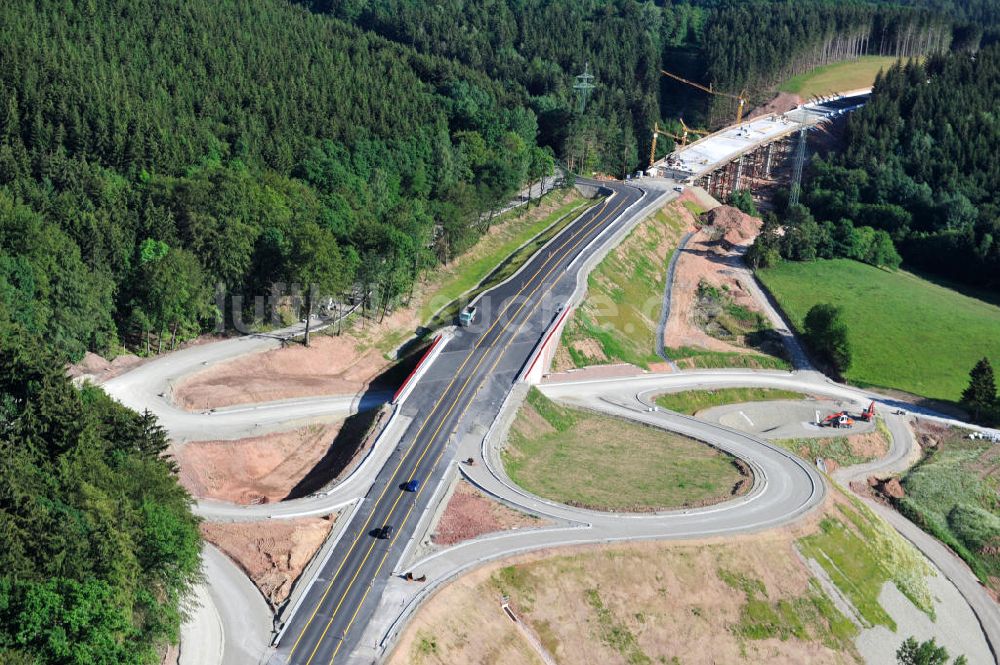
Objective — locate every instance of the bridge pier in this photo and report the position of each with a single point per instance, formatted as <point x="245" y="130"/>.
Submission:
<point x="751" y="170"/>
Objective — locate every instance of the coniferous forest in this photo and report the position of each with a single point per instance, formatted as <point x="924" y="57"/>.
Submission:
<point x="919" y="170"/>
<point x="153" y="153"/>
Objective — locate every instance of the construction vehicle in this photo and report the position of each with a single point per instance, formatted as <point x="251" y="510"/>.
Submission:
<point x="741" y="99"/>
<point x="656" y="132"/>
<point x="868" y="414"/>
<point x="840" y="419"/>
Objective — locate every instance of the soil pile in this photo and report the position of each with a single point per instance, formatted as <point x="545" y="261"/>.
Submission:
<point x="96" y="369"/>
<point x="781" y="103"/>
<point x="732" y="224"/>
<point x="887" y="487"/>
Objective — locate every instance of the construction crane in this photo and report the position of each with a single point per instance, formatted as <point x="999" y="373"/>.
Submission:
<point x="657" y="131"/>
<point x="682" y="139"/>
<point x="741" y="99"/>
<point x="688" y="130"/>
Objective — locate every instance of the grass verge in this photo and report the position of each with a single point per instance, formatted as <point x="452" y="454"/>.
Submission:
<point x="860" y="553"/>
<point x="692" y="401"/>
<point x="694" y="358"/>
<point x="837" y="448"/>
<point x="811" y="616"/>
<point x="838" y="77"/>
<point x="952" y="494"/>
<point x="906" y="333"/>
<point x="748" y="600"/>
<point x="496" y="256"/>
<point x="617" y="320"/>
<point x="599" y="462"/>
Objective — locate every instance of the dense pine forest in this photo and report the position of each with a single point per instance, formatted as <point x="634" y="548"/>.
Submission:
<point x="154" y="154"/>
<point x="99" y="544"/>
<point x="920" y="167"/>
<point x="151" y="150"/>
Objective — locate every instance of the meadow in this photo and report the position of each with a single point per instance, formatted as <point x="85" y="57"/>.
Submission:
<point x="838" y="77"/>
<point x="906" y="332"/>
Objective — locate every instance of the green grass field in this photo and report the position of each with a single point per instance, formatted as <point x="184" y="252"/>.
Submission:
<point x="906" y="332"/>
<point x="860" y="553"/>
<point x="692" y="401"/>
<point x="599" y="462"/>
<point x="839" y="77"/>
<point x="516" y="228"/>
<point x="624" y="297"/>
<point x="688" y="357"/>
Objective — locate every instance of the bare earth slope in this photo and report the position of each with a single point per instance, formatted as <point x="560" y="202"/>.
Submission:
<point x="274" y="553"/>
<point x="261" y="469"/>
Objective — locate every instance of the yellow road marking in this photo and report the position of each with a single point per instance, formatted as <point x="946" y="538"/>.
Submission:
<point x="357" y="609"/>
<point x="427" y="448"/>
<point x="427" y="420"/>
<point x="559" y="254"/>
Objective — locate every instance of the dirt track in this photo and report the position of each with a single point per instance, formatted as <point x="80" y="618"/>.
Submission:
<point x="710" y="256"/>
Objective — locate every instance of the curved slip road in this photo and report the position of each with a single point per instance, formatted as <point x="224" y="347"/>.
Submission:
<point x="149" y="387"/>
<point x="780" y="495"/>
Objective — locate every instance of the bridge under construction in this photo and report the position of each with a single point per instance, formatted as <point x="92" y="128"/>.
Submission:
<point x="743" y="155"/>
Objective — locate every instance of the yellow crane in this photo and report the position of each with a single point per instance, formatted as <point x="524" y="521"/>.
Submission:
<point x="688" y="130"/>
<point x="741" y="99"/>
<point x="656" y="132"/>
<point x="683" y="139"/>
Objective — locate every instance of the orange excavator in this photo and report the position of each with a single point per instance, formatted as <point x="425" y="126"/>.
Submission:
<point x="868" y="414"/>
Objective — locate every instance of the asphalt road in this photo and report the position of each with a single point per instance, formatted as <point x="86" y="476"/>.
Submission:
<point x="785" y="488"/>
<point x="478" y="367"/>
<point x="149" y="386"/>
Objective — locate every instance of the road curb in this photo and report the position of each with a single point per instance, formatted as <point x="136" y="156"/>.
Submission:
<point x="668" y="289"/>
<point x="440" y="340"/>
<point x="582" y="211"/>
<point x="300" y="591"/>
<point x="603" y="247"/>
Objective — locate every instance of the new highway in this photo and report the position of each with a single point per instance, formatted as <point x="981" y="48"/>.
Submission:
<point x="462" y="390"/>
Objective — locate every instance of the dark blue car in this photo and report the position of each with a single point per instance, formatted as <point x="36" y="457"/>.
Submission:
<point x="411" y="486"/>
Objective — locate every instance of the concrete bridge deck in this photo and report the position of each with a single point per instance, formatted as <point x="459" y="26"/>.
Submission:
<point x="714" y="151"/>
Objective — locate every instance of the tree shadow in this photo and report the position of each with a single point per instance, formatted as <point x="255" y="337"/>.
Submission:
<point x="346" y="447"/>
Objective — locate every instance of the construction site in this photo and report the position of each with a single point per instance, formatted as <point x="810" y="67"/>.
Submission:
<point x="754" y="153"/>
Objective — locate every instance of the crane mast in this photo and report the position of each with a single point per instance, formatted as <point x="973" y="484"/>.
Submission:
<point x="682" y="139"/>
